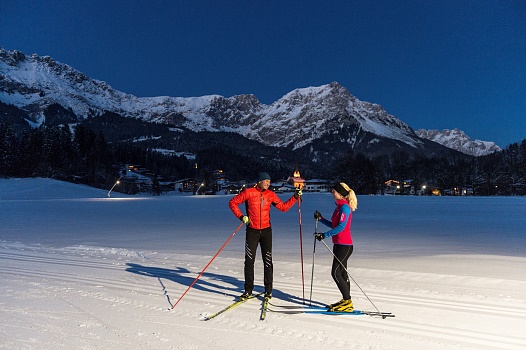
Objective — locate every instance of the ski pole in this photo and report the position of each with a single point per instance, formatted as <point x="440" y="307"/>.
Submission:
<point x="313" y="254"/>
<point x="335" y="257"/>
<point x="301" y="250"/>
<point x="210" y="262"/>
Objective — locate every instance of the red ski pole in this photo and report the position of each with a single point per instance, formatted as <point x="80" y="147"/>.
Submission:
<point x="210" y="262"/>
<point x="301" y="250"/>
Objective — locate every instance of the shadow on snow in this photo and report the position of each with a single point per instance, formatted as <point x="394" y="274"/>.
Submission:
<point x="208" y="282"/>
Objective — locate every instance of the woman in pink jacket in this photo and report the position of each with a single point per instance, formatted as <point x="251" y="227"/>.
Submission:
<point x="340" y="223"/>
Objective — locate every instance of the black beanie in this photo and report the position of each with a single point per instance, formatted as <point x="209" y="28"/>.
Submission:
<point x="263" y="176"/>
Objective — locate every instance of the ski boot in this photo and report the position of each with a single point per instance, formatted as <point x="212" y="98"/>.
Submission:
<point x="344" y="306"/>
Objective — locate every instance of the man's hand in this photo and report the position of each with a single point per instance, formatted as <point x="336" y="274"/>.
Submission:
<point x="298" y="193"/>
<point x="245" y="219"/>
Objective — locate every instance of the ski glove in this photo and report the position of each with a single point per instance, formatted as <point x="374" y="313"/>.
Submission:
<point x="245" y="219"/>
<point x="319" y="235"/>
<point x="298" y="193"/>
<point x="317" y="215"/>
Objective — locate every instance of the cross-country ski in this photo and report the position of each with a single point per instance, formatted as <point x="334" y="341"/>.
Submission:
<point x="231" y="306"/>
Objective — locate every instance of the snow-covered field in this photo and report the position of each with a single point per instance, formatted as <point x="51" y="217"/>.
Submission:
<point x="80" y="270"/>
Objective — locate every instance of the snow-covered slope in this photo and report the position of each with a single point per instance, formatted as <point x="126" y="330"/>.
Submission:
<point x="458" y="140"/>
<point x="33" y="83"/>
<point x="84" y="271"/>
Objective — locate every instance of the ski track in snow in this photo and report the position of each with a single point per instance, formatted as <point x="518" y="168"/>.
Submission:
<point x="63" y="297"/>
<point x="81" y="271"/>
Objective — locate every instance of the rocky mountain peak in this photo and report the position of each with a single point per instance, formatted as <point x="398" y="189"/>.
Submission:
<point x="458" y="140"/>
<point x="12" y="58"/>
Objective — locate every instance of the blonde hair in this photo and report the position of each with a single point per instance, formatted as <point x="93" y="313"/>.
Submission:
<point x="351" y="197"/>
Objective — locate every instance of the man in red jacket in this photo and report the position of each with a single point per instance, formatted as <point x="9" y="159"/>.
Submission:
<point x="257" y="204"/>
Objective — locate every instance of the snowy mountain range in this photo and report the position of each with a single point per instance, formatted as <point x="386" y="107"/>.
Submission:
<point x="45" y="91"/>
<point x="458" y="140"/>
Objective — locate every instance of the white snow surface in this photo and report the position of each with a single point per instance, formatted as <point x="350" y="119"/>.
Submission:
<point x="80" y="270"/>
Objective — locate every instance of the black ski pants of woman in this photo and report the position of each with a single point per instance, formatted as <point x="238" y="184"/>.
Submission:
<point x="339" y="272"/>
<point x="264" y="238"/>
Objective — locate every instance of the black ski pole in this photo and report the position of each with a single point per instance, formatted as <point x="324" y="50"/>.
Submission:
<point x="313" y="254"/>
<point x="335" y="257"/>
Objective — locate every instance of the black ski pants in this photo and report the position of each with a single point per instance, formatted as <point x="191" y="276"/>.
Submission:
<point x="264" y="238"/>
<point x="338" y="272"/>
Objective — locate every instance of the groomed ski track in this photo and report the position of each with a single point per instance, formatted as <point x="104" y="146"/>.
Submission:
<point x="93" y="297"/>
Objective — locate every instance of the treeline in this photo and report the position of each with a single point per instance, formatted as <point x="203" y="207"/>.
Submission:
<point x="81" y="156"/>
<point x="84" y="156"/>
<point x="501" y="173"/>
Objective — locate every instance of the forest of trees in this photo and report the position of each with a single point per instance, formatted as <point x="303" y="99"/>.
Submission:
<point x="84" y="156"/>
<point x="81" y="157"/>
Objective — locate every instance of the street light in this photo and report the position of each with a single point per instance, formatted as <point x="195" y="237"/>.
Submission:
<point x="115" y="184"/>
<point x="197" y="192"/>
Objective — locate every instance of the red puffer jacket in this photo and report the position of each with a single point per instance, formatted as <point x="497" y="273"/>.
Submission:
<point x="257" y="205"/>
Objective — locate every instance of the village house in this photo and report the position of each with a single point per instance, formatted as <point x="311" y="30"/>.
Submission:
<point x="317" y="185"/>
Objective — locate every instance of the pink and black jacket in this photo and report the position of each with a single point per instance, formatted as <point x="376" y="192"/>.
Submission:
<point x="340" y="224"/>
